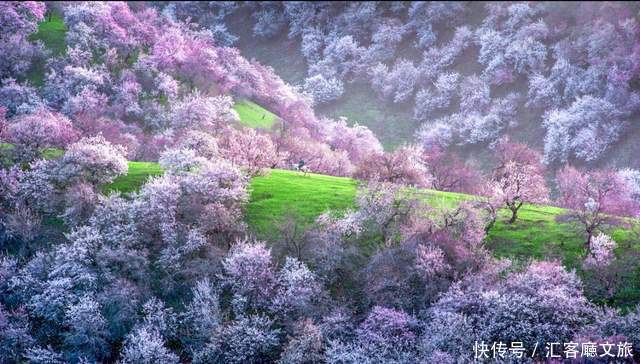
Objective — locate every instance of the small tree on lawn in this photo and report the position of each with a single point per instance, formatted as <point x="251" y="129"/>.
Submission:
<point x="519" y="177"/>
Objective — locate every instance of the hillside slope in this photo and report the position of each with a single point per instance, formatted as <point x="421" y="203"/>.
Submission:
<point x="536" y="234"/>
<point x="281" y="194"/>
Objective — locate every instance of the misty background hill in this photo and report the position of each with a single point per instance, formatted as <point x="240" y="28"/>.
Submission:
<point x="459" y="74"/>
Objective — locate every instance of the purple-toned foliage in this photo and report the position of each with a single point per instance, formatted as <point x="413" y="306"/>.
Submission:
<point x="322" y="89"/>
<point x="247" y="339"/>
<point x="18" y="98"/>
<point x="600" y="251"/>
<point x="357" y="140"/>
<point x="248" y="149"/>
<point x="93" y="160"/>
<point x="32" y="133"/>
<point x="596" y="199"/>
<point x="171" y="273"/>
<point x="146" y="346"/>
<point x="386" y="335"/>
<point x="541" y="303"/>
<point x="198" y="112"/>
<point x="306" y="345"/>
<point x="584" y="130"/>
<point x="250" y="275"/>
<point x="186" y="210"/>
<point x="402" y="166"/>
<point x="449" y="173"/>
<point x="18" y="20"/>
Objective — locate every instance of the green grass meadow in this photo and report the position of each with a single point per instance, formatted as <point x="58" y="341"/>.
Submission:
<point x="280" y="194"/>
<point x="138" y="174"/>
<point x="536" y="233"/>
<point x="255" y="116"/>
<point x="51" y="32"/>
<point x="283" y="192"/>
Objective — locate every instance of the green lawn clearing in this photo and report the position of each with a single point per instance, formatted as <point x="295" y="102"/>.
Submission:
<point x="253" y="115"/>
<point x="283" y="192"/>
<point x="52" y="32"/>
<point x="139" y="173"/>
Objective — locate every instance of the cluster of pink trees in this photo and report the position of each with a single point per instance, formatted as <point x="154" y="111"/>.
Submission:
<point x="32" y="133"/>
<point x="574" y="65"/>
<point x="139" y="77"/>
<point x="450" y="173"/>
<point x="430" y="167"/>
<point x="18" y="22"/>
<point x="403" y="166"/>
<point x="171" y="274"/>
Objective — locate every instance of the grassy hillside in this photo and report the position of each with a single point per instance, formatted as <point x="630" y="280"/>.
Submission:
<point x="138" y="174"/>
<point x="536" y="234"/>
<point x="280" y="193"/>
<point x="283" y="192"/>
<point x="255" y="116"/>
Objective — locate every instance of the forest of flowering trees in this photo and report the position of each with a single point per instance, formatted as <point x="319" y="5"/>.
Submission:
<point x="470" y="72"/>
<point x="172" y="272"/>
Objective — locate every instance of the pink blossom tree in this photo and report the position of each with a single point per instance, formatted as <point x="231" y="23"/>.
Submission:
<point x="129" y="136"/>
<point x="401" y="80"/>
<point x="3" y="121"/>
<point x="80" y="200"/>
<point x="205" y="113"/>
<point x="358" y="140"/>
<point x="18" y="20"/>
<point x="403" y="166"/>
<point x="601" y="251"/>
<point x="386" y="335"/>
<point x="204" y="144"/>
<point x="298" y="144"/>
<point x="449" y="172"/>
<point x="596" y="199"/>
<point x="430" y="260"/>
<point x="585" y="129"/>
<point x="307" y="344"/>
<point x="323" y="90"/>
<point x="519" y="177"/>
<point x="492" y="204"/>
<point x="384" y="208"/>
<point x="21" y="17"/>
<point x="32" y="133"/>
<point x="247" y="148"/>
<point x="104" y="26"/>
<point x="540" y="303"/>
<point x="94" y="160"/>
<point x="197" y="200"/>
<point x="250" y="275"/>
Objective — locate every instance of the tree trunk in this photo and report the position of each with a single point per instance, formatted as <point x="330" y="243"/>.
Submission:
<point x="514" y="211"/>
<point x="589" y="237"/>
<point x="489" y="225"/>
